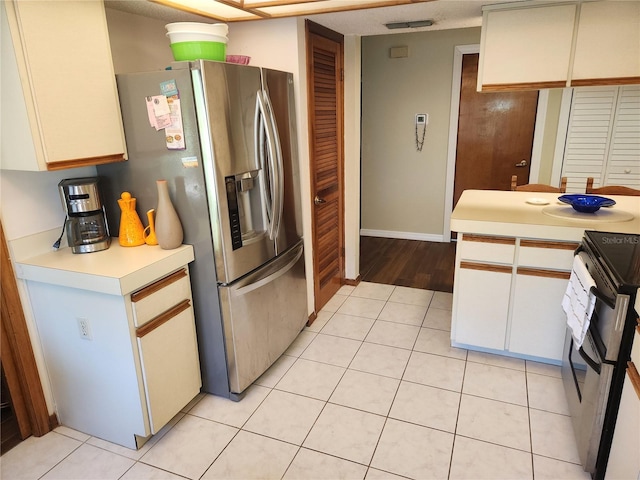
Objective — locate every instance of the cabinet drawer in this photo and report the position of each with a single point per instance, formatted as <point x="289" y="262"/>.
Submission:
<point x="160" y="296"/>
<point x="487" y="248"/>
<point x="545" y="254"/>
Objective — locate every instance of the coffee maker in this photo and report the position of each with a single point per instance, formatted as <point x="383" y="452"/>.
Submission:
<point x="87" y="229"/>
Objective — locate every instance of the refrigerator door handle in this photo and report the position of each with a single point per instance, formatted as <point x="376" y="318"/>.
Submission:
<point x="278" y="207"/>
<point x="253" y="282"/>
<point x="267" y="161"/>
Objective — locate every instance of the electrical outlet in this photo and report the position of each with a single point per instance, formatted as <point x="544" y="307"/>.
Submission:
<point x="85" y="330"/>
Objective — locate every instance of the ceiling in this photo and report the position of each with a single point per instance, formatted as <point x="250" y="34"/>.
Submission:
<point x="446" y="14"/>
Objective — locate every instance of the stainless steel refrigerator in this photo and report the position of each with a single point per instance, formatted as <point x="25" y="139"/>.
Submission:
<point x="236" y="188"/>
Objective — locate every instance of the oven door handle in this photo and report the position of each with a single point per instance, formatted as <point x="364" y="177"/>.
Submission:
<point x="603" y="298"/>
<point x="590" y="361"/>
<point x="597" y="293"/>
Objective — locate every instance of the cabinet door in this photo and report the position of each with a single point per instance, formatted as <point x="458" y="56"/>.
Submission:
<point x="481" y="305"/>
<point x="63" y="58"/>
<point x="607" y="44"/>
<point x="526" y="47"/>
<point x="538" y="323"/>
<point x="170" y="365"/>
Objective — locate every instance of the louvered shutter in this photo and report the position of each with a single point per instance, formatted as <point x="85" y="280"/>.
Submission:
<point x="623" y="167"/>
<point x="603" y="137"/>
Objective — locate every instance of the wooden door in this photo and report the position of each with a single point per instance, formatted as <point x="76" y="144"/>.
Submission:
<point x="325" y="89"/>
<point x="495" y="135"/>
<point x="18" y="361"/>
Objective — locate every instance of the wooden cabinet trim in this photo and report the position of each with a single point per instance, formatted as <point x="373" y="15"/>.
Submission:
<point x="162" y="318"/>
<point x="486" y="267"/>
<point x="542" y="272"/>
<point x="549" y="244"/>
<point x="596" y="82"/>
<point x="488" y="239"/>
<point x="159" y="285"/>
<point x="85" y="162"/>
<point x="516" y="87"/>
<point x="632" y="371"/>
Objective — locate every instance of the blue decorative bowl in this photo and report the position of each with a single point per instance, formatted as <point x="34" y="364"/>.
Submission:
<point x="586" y="203"/>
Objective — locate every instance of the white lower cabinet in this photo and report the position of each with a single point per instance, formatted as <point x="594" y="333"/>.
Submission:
<point x="122" y="366"/>
<point x="483" y="304"/>
<point x="168" y="354"/>
<point x="508" y="293"/>
<point x="538" y="322"/>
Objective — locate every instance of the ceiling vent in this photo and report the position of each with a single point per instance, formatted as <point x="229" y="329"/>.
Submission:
<point x="414" y="24"/>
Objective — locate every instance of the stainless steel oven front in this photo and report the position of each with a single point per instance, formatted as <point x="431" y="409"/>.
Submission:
<point x="588" y="371"/>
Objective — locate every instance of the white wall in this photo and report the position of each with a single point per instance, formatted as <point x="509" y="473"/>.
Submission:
<point x="138" y="44"/>
<point x="403" y="190"/>
<point x="352" y="75"/>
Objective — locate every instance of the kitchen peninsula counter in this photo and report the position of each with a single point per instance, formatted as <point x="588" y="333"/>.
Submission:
<point x="494" y="212"/>
<point x="514" y="256"/>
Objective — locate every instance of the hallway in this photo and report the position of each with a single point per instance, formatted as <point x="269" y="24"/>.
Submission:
<point x="408" y="263"/>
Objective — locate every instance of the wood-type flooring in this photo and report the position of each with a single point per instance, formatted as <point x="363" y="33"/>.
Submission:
<point x="408" y="263"/>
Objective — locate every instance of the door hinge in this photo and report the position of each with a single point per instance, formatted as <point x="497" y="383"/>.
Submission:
<point x="342" y="253"/>
<point x="342" y="74"/>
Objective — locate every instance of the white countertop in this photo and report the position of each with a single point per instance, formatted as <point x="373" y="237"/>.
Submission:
<point x="115" y="271"/>
<point x="494" y="212"/>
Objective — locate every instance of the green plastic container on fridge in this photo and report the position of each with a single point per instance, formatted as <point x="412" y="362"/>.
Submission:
<point x="199" y="50"/>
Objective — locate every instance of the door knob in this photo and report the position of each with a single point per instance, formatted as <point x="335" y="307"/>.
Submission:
<point x="523" y="163"/>
<point x="319" y="201"/>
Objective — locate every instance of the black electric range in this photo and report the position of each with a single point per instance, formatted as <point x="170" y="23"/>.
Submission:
<point x="593" y="374"/>
<point x="619" y="254"/>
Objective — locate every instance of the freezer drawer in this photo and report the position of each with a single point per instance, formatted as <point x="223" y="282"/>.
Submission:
<point x="263" y="313"/>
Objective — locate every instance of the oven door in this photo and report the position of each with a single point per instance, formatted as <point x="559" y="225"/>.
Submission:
<point x="587" y="372"/>
<point x="587" y="379"/>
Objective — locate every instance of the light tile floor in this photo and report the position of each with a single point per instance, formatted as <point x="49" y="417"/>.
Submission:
<point x="372" y="390"/>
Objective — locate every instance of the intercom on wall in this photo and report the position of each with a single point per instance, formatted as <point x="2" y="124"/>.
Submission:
<point x="422" y="119"/>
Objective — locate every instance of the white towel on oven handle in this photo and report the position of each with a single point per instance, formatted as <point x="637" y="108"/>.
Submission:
<point x="579" y="301"/>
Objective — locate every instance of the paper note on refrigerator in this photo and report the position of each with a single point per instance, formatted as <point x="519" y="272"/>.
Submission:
<point x="174" y="133"/>
<point x="158" y="111"/>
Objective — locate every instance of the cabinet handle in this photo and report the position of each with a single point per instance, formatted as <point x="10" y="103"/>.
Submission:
<point x="541" y="272"/>
<point x="488" y="239"/>
<point x="486" y="267"/>
<point x="162" y="318"/>
<point x="159" y="285"/>
<point x="634" y="377"/>
<point x="548" y="244"/>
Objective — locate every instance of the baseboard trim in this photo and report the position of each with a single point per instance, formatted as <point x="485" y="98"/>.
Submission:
<point x="53" y="421"/>
<point x="312" y="318"/>
<point x="352" y="282"/>
<point x="425" y="237"/>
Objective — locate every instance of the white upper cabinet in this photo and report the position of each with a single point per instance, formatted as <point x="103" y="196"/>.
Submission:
<point x="534" y="45"/>
<point x="525" y="46"/>
<point x="58" y="78"/>
<point x="607" y="43"/>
